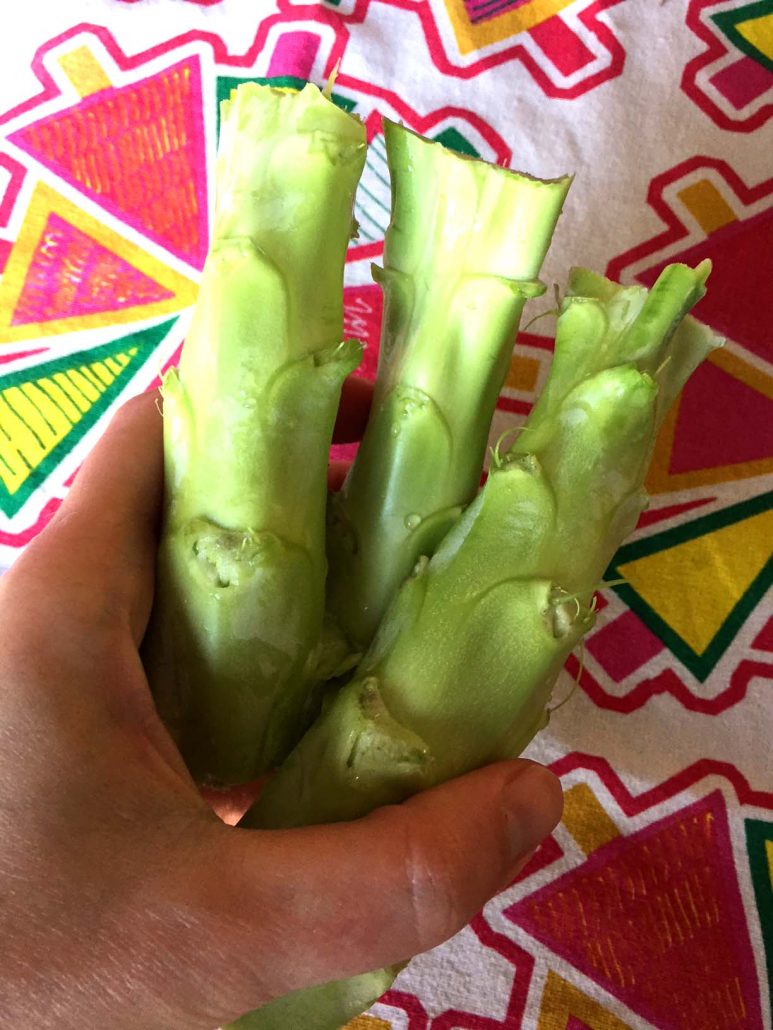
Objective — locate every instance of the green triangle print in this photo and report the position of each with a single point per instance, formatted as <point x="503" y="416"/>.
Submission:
<point x="759" y="843"/>
<point x="46" y="409"/>
<point x="695" y="585"/>
<point x="454" y="140"/>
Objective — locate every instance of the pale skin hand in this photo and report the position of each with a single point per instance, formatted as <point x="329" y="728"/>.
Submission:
<point x="124" y="900"/>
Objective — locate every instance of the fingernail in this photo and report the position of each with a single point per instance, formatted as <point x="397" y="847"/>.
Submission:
<point x="516" y="868"/>
<point x="533" y="801"/>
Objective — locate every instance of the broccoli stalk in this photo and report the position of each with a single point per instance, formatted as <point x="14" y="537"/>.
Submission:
<point x="248" y="421"/>
<point x="462" y="667"/>
<point x="329" y="1006"/>
<point x="461" y="257"/>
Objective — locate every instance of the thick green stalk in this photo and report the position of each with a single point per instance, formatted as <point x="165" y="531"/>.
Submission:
<point x="461" y="671"/>
<point x="461" y="257"/>
<point x="330" y="1005"/>
<point x="248" y="420"/>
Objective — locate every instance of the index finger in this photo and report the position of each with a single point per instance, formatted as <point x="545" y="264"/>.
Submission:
<point x="96" y="556"/>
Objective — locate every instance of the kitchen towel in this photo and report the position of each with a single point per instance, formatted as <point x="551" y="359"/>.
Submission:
<point x="651" y="905"/>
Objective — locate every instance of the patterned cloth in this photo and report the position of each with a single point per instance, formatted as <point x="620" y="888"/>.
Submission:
<point x="651" y="905"/>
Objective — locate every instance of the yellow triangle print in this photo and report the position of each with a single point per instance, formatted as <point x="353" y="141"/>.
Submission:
<point x="68" y="271"/>
<point x="84" y="70"/>
<point x="759" y="32"/>
<point x="707" y="205"/>
<point x="585" y="818"/>
<point x="561" y="1000"/>
<point x="694" y="586"/>
<point x="47" y="408"/>
<point x="36" y="415"/>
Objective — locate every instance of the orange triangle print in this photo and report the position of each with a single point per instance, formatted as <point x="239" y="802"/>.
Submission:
<point x="566" y="1007"/>
<point x="68" y="271"/>
<point x="720" y="430"/>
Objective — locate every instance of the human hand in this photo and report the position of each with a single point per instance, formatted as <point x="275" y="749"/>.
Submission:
<point x="125" y="901"/>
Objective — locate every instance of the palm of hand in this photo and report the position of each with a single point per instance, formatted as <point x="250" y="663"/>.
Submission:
<point x="124" y="900"/>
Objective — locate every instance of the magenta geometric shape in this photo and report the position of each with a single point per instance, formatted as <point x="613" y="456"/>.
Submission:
<point x="73" y="274"/>
<point x="139" y="152"/>
<point x="294" y="54"/>
<point x="623" y="646"/>
<point x="713" y="399"/>
<point x="742" y="82"/>
<point x="656" y="918"/>
<point x="561" y="45"/>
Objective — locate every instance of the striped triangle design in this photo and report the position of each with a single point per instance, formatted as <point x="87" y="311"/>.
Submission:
<point x="45" y="410"/>
<point x="759" y="843"/>
<point x="71" y="280"/>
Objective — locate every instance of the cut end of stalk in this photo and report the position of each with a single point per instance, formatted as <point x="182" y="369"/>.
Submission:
<point x="392" y="129"/>
<point x="467" y="214"/>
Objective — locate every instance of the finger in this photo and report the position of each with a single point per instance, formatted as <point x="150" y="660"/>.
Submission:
<point x="97" y="553"/>
<point x="336" y="474"/>
<point x="96" y="556"/>
<point x="357" y="896"/>
<point x="353" y="411"/>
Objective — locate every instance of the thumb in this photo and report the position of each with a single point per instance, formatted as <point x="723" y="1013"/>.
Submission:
<point x="351" y="897"/>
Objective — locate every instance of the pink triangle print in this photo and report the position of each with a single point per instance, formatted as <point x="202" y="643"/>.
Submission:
<point x="73" y="274"/>
<point x="721" y="421"/>
<point x="648" y="915"/>
<point x="139" y="151"/>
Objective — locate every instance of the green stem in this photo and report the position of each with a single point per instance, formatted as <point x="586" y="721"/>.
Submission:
<point x="248" y="421"/>
<point x="461" y="257"/>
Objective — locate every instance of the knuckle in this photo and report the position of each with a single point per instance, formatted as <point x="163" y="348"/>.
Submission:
<point x="435" y="881"/>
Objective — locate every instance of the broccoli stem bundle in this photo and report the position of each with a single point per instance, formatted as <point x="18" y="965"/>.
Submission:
<point x="462" y="668"/>
<point x="461" y="257"/>
<point x="466" y="607"/>
<point x="248" y="420"/>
